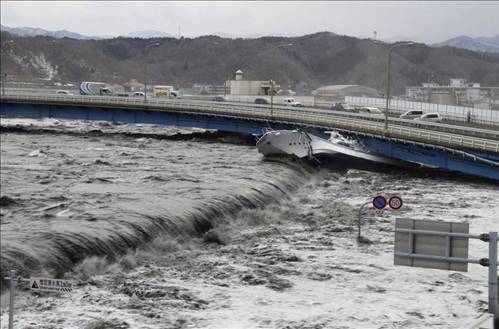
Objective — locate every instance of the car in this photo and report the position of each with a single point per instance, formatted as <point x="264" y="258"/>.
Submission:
<point x="370" y="110"/>
<point x="138" y="94"/>
<point x="433" y="117"/>
<point x="412" y="114"/>
<point x="261" y="101"/>
<point x="342" y="107"/>
<point x="220" y="99"/>
<point x="291" y="102"/>
<point x="63" y="92"/>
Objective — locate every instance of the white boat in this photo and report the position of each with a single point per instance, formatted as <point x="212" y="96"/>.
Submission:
<point x="305" y="145"/>
<point x="285" y="142"/>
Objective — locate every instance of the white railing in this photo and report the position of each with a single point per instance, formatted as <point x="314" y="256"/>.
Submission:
<point x="450" y="112"/>
<point x="301" y="116"/>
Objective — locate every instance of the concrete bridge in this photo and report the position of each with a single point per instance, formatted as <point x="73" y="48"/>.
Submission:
<point x="465" y="149"/>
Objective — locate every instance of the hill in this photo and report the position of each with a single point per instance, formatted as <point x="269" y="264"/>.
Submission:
<point x="487" y="44"/>
<point x="312" y="61"/>
<point x="34" y="31"/>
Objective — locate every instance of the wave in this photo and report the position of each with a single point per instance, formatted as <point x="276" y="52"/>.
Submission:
<point x="193" y="135"/>
<point x="55" y="249"/>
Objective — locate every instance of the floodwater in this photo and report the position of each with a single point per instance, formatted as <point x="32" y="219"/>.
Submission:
<point x="160" y="227"/>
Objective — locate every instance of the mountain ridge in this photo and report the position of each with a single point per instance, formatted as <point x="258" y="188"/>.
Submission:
<point x="35" y="31"/>
<point x="312" y="61"/>
<point x="485" y="44"/>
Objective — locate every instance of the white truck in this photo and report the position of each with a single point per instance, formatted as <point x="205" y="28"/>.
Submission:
<point x="291" y="102"/>
<point x="95" y="88"/>
<point x="162" y="91"/>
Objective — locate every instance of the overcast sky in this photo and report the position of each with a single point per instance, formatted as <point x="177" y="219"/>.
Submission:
<point x="420" y="21"/>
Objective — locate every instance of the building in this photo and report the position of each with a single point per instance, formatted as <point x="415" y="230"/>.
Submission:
<point x="201" y="89"/>
<point x="337" y="93"/>
<point x="239" y="86"/>
<point x="458" y="92"/>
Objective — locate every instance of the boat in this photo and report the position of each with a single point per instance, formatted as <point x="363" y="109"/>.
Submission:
<point x="304" y="145"/>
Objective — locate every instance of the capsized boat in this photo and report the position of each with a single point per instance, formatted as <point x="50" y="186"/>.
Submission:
<point x="301" y="144"/>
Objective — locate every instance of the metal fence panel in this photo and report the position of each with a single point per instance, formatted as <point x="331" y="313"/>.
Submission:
<point x="431" y="245"/>
<point x="457" y="113"/>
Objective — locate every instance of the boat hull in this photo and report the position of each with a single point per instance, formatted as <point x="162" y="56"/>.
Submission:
<point x="303" y="145"/>
<point x="285" y="142"/>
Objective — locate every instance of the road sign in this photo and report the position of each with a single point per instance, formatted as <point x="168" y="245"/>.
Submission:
<point x="444" y="245"/>
<point x="50" y="285"/>
<point x="395" y="202"/>
<point x="445" y="249"/>
<point x="379" y="202"/>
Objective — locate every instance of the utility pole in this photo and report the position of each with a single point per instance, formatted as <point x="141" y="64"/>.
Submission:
<point x="225" y="86"/>
<point x="491" y="99"/>
<point x="3" y="75"/>
<point x="272" y="92"/>
<point x="430" y="78"/>
<point x="4" y="79"/>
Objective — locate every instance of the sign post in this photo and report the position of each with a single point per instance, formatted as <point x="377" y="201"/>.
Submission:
<point x="12" y="284"/>
<point x="36" y="284"/>
<point x="444" y="245"/>
<point x="11" y="300"/>
<point x="379" y="202"/>
<point x="493" y="307"/>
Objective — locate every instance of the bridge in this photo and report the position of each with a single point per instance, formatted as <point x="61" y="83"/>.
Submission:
<point x="469" y="150"/>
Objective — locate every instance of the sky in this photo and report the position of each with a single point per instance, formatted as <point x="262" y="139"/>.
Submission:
<point x="422" y="21"/>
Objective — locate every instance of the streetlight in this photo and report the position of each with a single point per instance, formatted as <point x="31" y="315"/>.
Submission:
<point x="152" y="45"/>
<point x="388" y="79"/>
<point x="272" y="84"/>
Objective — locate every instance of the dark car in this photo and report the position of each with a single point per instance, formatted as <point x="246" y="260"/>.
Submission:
<point x="342" y="107"/>
<point x="261" y="101"/>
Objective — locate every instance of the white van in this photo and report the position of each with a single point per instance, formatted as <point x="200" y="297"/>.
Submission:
<point x="370" y="110"/>
<point x="412" y="114"/>
<point x="433" y="117"/>
<point x="291" y="102"/>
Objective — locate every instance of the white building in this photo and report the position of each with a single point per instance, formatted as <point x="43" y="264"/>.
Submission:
<point x="458" y="92"/>
<point x="242" y="87"/>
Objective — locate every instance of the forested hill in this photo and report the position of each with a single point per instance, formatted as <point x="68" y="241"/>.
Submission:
<point x="311" y="61"/>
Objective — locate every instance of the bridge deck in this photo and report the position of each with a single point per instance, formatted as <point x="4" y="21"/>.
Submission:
<point x="456" y="137"/>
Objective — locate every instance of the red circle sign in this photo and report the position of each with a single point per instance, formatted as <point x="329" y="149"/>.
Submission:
<point x="395" y="202"/>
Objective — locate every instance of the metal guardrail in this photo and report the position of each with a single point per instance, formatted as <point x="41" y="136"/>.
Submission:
<point x="300" y="116"/>
<point x="459" y="129"/>
<point x="456" y="113"/>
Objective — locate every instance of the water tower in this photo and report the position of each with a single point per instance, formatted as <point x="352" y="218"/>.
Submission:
<point x="239" y="75"/>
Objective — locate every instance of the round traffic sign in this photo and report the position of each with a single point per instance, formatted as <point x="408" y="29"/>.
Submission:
<point x="395" y="202"/>
<point x="379" y="202"/>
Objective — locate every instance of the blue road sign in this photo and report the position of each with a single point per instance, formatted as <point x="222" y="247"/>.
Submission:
<point x="379" y="202"/>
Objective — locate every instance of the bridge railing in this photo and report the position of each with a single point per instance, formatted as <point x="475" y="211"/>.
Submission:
<point x="299" y="116"/>
<point x="455" y="113"/>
